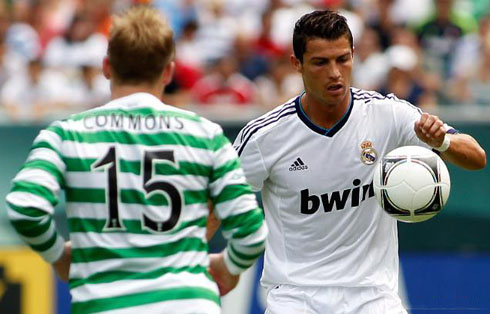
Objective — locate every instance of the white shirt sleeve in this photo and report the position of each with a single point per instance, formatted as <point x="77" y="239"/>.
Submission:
<point x="252" y="161"/>
<point x="405" y="115"/>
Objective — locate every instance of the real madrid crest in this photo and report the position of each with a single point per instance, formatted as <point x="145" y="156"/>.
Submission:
<point x="368" y="153"/>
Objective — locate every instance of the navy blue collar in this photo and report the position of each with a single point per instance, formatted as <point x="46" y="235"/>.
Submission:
<point x="327" y="132"/>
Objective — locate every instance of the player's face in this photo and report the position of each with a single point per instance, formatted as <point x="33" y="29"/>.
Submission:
<point x="326" y="70"/>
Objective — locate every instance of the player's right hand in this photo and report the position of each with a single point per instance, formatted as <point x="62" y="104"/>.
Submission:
<point x="430" y="129"/>
<point x="62" y="265"/>
<point x="217" y="268"/>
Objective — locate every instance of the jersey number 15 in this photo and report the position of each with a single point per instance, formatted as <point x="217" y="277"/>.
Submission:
<point x="109" y="162"/>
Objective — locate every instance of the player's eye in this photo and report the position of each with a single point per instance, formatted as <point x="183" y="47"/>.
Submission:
<point x="319" y="62"/>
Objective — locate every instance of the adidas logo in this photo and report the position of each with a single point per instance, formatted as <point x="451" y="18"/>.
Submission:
<point x="298" y="164"/>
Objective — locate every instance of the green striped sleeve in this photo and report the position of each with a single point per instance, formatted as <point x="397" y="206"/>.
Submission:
<point x="219" y="141"/>
<point x="222" y="170"/>
<point x="34" y="194"/>
<point x="44" y="144"/>
<point x="36" y="228"/>
<point x="36" y="189"/>
<point x="48" y="167"/>
<point x="248" y="226"/>
<point x="232" y="192"/>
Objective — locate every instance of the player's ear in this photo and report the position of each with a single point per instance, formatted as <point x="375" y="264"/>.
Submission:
<point x="106" y="68"/>
<point x="296" y="63"/>
<point x="168" y="73"/>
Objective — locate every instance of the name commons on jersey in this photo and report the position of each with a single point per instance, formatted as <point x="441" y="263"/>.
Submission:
<point x="133" y="122"/>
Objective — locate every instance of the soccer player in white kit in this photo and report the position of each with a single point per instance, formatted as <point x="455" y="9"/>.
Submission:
<point x="330" y="247"/>
<point x="137" y="175"/>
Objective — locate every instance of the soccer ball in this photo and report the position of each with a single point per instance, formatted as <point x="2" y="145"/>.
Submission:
<point x="411" y="183"/>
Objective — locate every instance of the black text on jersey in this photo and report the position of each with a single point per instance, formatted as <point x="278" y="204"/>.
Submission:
<point x="311" y="203"/>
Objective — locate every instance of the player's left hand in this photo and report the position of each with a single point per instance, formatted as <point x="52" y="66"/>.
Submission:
<point x="217" y="268"/>
<point x="62" y="265"/>
<point x="430" y="129"/>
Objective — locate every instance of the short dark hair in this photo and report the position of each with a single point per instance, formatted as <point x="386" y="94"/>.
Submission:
<point x="324" y="24"/>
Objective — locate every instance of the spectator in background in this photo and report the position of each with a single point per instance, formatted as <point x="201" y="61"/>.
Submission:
<point x="4" y="71"/>
<point x="224" y="85"/>
<point x="100" y="12"/>
<point x="189" y="60"/>
<point x="371" y="64"/>
<point x="439" y="35"/>
<point x="471" y="81"/>
<point x="410" y="12"/>
<point x="54" y="17"/>
<point x="402" y="80"/>
<point x="79" y="45"/>
<point x="189" y="67"/>
<point x="4" y="18"/>
<point x="178" y="12"/>
<point x="382" y="22"/>
<point x="251" y="63"/>
<point x="216" y="32"/>
<point x="31" y="95"/>
<point x="265" y="44"/>
<point x="432" y="82"/>
<point x="354" y="20"/>
<point x="284" y="16"/>
<point x="90" y="90"/>
<point x="22" y="39"/>
<point x="279" y="84"/>
<point x="248" y="14"/>
<point x="10" y="63"/>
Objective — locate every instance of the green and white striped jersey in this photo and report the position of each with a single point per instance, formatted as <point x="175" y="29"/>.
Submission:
<point x="137" y="175"/>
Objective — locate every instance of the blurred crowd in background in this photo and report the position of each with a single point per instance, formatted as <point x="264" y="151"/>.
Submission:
<point x="235" y="53"/>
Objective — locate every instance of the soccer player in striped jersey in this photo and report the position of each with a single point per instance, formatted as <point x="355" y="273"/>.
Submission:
<point x="137" y="175"/>
<point x="330" y="247"/>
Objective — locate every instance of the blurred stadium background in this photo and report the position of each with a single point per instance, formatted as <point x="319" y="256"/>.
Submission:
<point x="232" y="65"/>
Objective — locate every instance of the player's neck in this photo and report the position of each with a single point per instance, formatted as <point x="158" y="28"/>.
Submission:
<point x="120" y="90"/>
<point x="322" y="114"/>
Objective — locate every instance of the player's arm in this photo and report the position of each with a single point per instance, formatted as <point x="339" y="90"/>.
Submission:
<point x="242" y="221"/>
<point x="212" y="223"/>
<point x="33" y="196"/>
<point x="460" y="149"/>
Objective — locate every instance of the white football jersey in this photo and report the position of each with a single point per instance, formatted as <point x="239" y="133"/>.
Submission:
<point x="325" y="226"/>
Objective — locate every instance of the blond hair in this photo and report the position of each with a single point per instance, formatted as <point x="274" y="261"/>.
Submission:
<point x="140" y="45"/>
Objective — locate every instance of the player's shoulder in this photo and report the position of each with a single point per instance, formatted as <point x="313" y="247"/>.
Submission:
<point x="270" y="120"/>
<point x="380" y="101"/>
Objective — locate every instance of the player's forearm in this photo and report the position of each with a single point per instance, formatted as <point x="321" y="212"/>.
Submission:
<point x="30" y="207"/>
<point x="465" y="152"/>
<point x="36" y="228"/>
<point x="246" y="234"/>
<point x="212" y="225"/>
